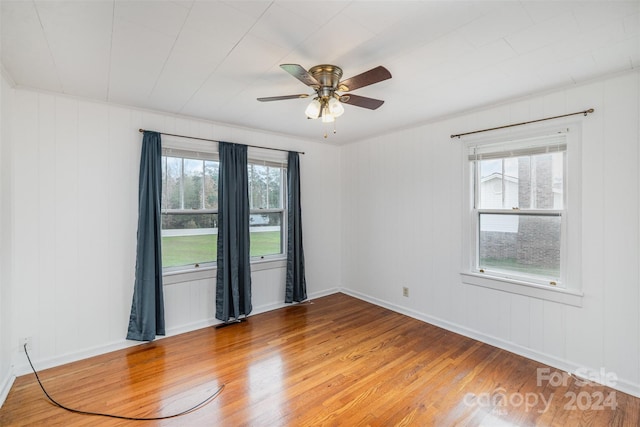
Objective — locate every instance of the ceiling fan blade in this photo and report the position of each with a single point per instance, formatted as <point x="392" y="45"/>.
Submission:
<point x="280" y="98"/>
<point x="367" y="78"/>
<point x="361" y="101"/>
<point x="301" y="74"/>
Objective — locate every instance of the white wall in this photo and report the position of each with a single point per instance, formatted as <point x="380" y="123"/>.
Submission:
<point x="407" y="186"/>
<point x="68" y="224"/>
<point x="6" y="373"/>
<point x="74" y="205"/>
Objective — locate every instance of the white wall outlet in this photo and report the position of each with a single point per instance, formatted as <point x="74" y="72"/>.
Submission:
<point x="405" y="291"/>
<point x="28" y="341"/>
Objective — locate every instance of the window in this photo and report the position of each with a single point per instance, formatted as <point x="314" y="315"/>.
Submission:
<point x="519" y="209"/>
<point x="266" y="204"/>
<point x="190" y="209"/>
<point x="522" y="230"/>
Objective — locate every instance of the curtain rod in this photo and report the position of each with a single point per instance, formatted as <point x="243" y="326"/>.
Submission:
<point x="585" y="112"/>
<point x="213" y="140"/>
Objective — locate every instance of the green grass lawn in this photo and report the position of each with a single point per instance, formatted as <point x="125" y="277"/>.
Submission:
<point x="188" y="250"/>
<point x="510" y="264"/>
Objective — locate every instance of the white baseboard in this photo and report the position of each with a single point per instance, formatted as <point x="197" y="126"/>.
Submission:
<point x="621" y="384"/>
<point x="5" y="386"/>
<point x="22" y="367"/>
<point x="256" y="310"/>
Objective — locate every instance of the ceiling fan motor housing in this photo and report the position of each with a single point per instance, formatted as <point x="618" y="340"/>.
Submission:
<point x="324" y="79"/>
<point x="328" y="76"/>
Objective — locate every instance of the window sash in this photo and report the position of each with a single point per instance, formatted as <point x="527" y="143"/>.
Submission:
<point x="477" y="181"/>
<point x="527" y="212"/>
<point x="208" y="156"/>
<point x="280" y="209"/>
<point x="503" y="150"/>
<point x="281" y="185"/>
<point x="282" y="233"/>
<point x="539" y="272"/>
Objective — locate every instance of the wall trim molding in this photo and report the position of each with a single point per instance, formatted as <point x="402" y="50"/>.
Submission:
<point x="22" y="367"/>
<point x="622" y="384"/>
<point x="294" y="139"/>
<point x="565" y="365"/>
<point x="5" y="386"/>
<point x="482" y="108"/>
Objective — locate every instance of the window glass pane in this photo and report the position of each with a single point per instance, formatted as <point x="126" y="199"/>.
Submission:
<point x="512" y="182"/>
<point x="192" y="183"/>
<point x="258" y="180"/>
<point x="171" y="177"/>
<point x="265" y="186"/>
<point x="275" y="180"/>
<point x="189" y="239"/>
<point x="266" y="233"/>
<point x="526" y="182"/>
<point x="521" y="167"/>
<point x="521" y="244"/>
<point x="491" y="185"/>
<point x="547" y="181"/>
<point x="211" y="184"/>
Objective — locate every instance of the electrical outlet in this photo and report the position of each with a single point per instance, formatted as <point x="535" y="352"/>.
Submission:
<point x="28" y="341"/>
<point x="405" y="291"/>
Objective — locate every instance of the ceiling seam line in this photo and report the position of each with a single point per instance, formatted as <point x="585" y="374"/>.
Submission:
<point x="164" y="65"/>
<point x="226" y="56"/>
<point x="46" y="40"/>
<point x="113" y="23"/>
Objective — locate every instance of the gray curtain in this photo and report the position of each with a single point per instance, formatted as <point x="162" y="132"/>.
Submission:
<point x="296" y="284"/>
<point x="147" y="309"/>
<point x="233" y="280"/>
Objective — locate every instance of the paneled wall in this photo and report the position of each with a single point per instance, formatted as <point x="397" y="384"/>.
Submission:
<point x="74" y="205"/>
<point x="6" y="97"/>
<point x="403" y="215"/>
<point x="379" y="214"/>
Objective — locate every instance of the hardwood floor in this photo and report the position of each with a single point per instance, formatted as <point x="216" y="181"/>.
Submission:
<point x="335" y="361"/>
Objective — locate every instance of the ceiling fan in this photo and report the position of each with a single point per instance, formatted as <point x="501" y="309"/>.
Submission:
<point x="325" y="81"/>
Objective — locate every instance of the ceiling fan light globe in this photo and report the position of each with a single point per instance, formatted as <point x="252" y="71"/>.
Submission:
<point x="335" y="107"/>
<point x="328" y="118"/>
<point x="313" y="109"/>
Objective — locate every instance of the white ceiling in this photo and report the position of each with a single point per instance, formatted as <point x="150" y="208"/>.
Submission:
<point x="212" y="59"/>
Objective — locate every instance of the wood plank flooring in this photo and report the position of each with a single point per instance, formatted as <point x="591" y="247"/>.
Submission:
<point x="336" y="361"/>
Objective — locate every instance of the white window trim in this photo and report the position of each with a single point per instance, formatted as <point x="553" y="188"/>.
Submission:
<point x="570" y="292"/>
<point x="174" y="275"/>
<point x="204" y="273"/>
<point x="272" y="158"/>
<point x="193" y="152"/>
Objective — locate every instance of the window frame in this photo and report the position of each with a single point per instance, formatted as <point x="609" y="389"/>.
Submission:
<point x="568" y="289"/>
<point x="191" y="155"/>
<point x="560" y="283"/>
<point x="189" y="149"/>
<point x="282" y="165"/>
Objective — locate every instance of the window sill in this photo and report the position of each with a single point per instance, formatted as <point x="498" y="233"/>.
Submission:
<point x="268" y="264"/>
<point x="559" y="295"/>
<point x="189" y="275"/>
<point x="192" y="274"/>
